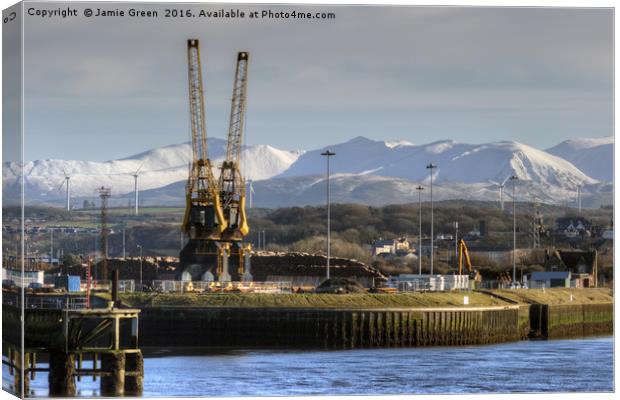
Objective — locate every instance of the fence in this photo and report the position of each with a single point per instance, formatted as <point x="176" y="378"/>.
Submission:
<point x="46" y="302"/>
<point x="218" y="287"/>
<point x="414" y="283"/>
<point x="124" y="286"/>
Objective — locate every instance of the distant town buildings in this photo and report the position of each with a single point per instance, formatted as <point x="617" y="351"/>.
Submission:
<point x="572" y="227"/>
<point x="400" y="247"/>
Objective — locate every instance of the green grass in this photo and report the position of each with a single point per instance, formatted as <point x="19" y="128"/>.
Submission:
<point x="559" y="295"/>
<point x="364" y="300"/>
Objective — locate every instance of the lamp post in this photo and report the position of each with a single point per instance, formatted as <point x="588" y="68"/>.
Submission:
<point x="432" y="166"/>
<point x="140" y="247"/>
<point x="419" y="189"/>
<point x="514" y="179"/>
<point x="327" y="155"/>
<point x="456" y="245"/>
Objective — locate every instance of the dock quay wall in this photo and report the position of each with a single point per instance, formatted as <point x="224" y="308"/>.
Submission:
<point x="328" y="328"/>
<point x="553" y="321"/>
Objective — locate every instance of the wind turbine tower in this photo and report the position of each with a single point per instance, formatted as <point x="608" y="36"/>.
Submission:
<point x="67" y="183"/>
<point x="135" y="187"/>
<point x="501" y="192"/>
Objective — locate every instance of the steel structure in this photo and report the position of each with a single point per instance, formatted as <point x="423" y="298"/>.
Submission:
<point x="215" y="220"/>
<point x="231" y="183"/>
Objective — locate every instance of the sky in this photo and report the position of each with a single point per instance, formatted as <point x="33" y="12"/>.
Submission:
<point x="106" y="88"/>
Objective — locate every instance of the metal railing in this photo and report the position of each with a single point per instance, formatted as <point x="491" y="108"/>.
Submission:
<point x="46" y="302"/>
<point x="221" y="287"/>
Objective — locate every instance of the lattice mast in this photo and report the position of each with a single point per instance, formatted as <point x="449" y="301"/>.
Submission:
<point x="104" y="194"/>
<point x="203" y="213"/>
<point x="231" y="182"/>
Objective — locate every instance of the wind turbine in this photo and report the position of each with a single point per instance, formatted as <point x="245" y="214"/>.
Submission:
<point x="250" y="182"/>
<point x="501" y="191"/>
<point x="135" y="186"/>
<point x="67" y="182"/>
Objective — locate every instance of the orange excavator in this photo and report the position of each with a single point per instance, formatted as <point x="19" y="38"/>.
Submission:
<point x="464" y="256"/>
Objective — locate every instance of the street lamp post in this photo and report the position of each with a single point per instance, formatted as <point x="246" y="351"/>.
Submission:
<point x="327" y="155"/>
<point x="419" y="189"/>
<point x="456" y="245"/>
<point x="432" y="166"/>
<point x="140" y="247"/>
<point x="514" y="179"/>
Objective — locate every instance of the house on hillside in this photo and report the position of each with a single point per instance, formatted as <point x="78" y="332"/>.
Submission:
<point x="383" y="246"/>
<point x="572" y="227"/>
<point x="583" y="265"/>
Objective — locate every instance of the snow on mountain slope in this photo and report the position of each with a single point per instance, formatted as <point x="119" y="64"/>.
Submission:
<point x="158" y="167"/>
<point x="380" y="190"/>
<point x="592" y="156"/>
<point x="457" y="162"/>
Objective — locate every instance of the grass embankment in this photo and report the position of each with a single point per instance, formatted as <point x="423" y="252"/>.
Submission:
<point x="364" y="300"/>
<point x="558" y="296"/>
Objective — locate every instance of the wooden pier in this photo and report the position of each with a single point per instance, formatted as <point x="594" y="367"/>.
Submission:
<point x="97" y="343"/>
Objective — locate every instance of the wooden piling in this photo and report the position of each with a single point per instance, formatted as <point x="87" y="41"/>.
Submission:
<point x="113" y="382"/>
<point x="134" y="370"/>
<point x="61" y="380"/>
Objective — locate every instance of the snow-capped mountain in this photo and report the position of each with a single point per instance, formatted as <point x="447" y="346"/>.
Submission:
<point x="363" y="171"/>
<point x="157" y="168"/>
<point x="456" y="162"/>
<point x="592" y="156"/>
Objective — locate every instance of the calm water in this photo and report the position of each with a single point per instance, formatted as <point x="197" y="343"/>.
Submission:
<point x="579" y="365"/>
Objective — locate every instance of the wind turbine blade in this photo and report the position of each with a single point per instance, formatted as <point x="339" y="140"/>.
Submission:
<point x="139" y="168"/>
<point x="62" y="184"/>
<point x="505" y="180"/>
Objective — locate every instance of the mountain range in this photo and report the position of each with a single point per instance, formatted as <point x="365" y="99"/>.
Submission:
<point x="362" y="171"/>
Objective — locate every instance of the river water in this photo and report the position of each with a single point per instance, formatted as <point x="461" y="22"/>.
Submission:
<point x="576" y="365"/>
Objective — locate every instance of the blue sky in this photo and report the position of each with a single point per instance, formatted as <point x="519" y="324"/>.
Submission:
<point x="101" y="89"/>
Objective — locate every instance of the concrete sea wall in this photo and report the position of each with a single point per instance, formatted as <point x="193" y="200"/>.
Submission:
<point x="571" y="320"/>
<point x="328" y="328"/>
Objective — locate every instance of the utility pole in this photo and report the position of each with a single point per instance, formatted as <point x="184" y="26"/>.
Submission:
<point x="514" y="179"/>
<point x="327" y="155"/>
<point x="432" y="166"/>
<point x="419" y="189"/>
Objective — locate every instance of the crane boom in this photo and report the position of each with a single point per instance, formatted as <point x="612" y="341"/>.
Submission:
<point x="203" y="213"/>
<point x="231" y="182"/>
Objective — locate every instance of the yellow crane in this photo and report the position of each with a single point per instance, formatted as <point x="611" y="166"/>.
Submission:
<point x="231" y="183"/>
<point x="215" y="220"/>
<point x="204" y="218"/>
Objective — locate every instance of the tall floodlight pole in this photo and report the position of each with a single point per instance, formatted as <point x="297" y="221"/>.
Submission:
<point x="514" y="229"/>
<point x="419" y="189"/>
<point x="327" y="155"/>
<point x="456" y="245"/>
<point x="140" y="247"/>
<point x="432" y="166"/>
<point x="52" y="247"/>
